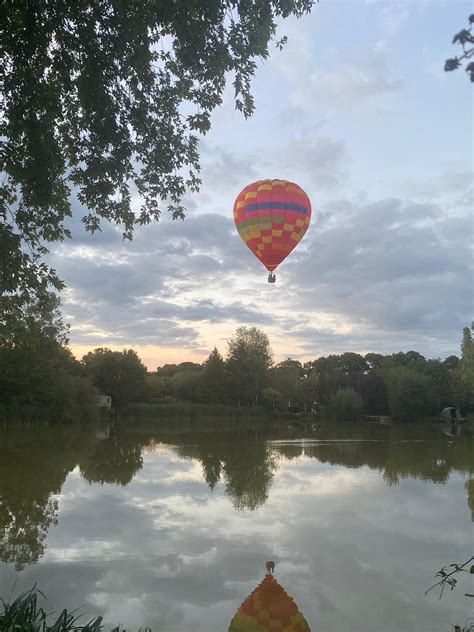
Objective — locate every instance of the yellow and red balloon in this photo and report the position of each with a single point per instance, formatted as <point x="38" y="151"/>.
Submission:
<point x="269" y="609"/>
<point x="271" y="217"/>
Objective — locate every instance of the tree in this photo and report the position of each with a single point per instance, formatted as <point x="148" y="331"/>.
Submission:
<point x="106" y="99"/>
<point x="374" y="360"/>
<point x="439" y="373"/>
<point x="248" y="361"/>
<point x="271" y="398"/>
<point x="327" y="374"/>
<point x="286" y="378"/>
<point x="372" y="389"/>
<point x="463" y="375"/>
<point x="177" y="380"/>
<point x="38" y="374"/>
<point x="157" y="386"/>
<point x="411" y="394"/>
<point x="168" y="370"/>
<point x="352" y="363"/>
<point x="464" y="37"/>
<point x="467" y="353"/>
<point x="212" y="385"/>
<point x="321" y="380"/>
<point x="410" y="359"/>
<point x="120" y="374"/>
<point x="29" y="320"/>
<point x="346" y="403"/>
<point x="185" y="384"/>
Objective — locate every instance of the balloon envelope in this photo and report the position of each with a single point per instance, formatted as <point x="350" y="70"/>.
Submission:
<point x="268" y="609"/>
<point x="272" y="216"/>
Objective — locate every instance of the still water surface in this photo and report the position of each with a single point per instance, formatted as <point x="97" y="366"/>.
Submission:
<point x="173" y="531"/>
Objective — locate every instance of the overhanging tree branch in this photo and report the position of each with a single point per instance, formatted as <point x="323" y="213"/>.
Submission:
<point x="108" y="99"/>
<point x="466" y="39"/>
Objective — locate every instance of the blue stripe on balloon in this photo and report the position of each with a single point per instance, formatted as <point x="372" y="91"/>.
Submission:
<point x="268" y="206"/>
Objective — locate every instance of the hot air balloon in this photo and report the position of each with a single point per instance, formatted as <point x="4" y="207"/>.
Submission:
<point x="268" y="608"/>
<point x="272" y="216"/>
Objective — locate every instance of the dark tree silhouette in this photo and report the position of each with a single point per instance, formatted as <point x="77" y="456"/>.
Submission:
<point x="115" y="460"/>
<point x="107" y="99"/>
<point x="33" y="467"/>
<point x="464" y="38"/>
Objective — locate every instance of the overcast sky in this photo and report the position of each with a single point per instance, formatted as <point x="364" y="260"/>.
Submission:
<point x="358" y="111"/>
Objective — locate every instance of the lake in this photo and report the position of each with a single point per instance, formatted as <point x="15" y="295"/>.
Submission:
<point x="172" y="531"/>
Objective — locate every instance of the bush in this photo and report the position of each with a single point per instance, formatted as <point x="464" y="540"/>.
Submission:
<point x="411" y="394"/>
<point x="345" y="404"/>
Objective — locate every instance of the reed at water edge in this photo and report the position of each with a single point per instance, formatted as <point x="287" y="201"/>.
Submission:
<point x="26" y="614"/>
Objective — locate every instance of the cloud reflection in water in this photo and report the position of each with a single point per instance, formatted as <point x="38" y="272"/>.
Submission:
<point x="175" y="536"/>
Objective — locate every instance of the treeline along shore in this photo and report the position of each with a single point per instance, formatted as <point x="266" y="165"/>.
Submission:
<point x="41" y="379"/>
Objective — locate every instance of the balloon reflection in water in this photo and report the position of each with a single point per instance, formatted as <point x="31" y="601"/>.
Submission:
<point x="268" y="608"/>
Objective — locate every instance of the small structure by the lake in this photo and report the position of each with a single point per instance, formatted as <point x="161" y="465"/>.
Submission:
<point x="450" y="413"/>
<point x="104" y="401"/>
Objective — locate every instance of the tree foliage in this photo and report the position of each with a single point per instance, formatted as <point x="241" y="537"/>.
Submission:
<point x="248" y="361"/>
<point x="35" y="462"/>
<point x="115" y="460"/>
<point x="410" y="394"/>
<point x="383" y="382"/>
<point x="245" y="467"/>
<point x="286" y="379"/>
<point x="105" y="100"/>
<point x="463" y="374"/>
<point x="185" y="383"/>
<point x="37" y="370"/>
<point x="405" y="385"/>
<point x="120" y="374"/>
<point x="345" y="404"/>
<point x="465" y="39"/>
<point x="212" y="386"/>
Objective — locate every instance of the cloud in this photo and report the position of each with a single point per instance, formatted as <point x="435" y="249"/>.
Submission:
<point x="224" y="169"/>
<point x="324" y="81"/>
<point x="393" y="16"/>
<point x="319" y="160"/>
<point x="166" y="552"/>
<point x="382" y="276"/>
<point x="396" y="270"/>
<point x="386" y="262"/>
<point x="152" y="291"/>
<point x="347" y="85"/>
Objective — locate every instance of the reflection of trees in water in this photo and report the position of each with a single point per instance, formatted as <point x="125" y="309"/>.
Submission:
<point x="290" y="451"/>
<point x="114" y="460"/>
<point x="470" y="495"/>
<point x="24" y="525"/>
<point x="418" y="453"/>
<point x="34" y="464"/>
<point x="245" y="463"/>
<point x="248" y="474"/>
<point x="212" y="468"/>
<point x="428" y="462"/>
<point x="350" y="454"/>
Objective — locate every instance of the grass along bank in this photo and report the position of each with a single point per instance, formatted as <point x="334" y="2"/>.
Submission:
<point x="25" y="614"/>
